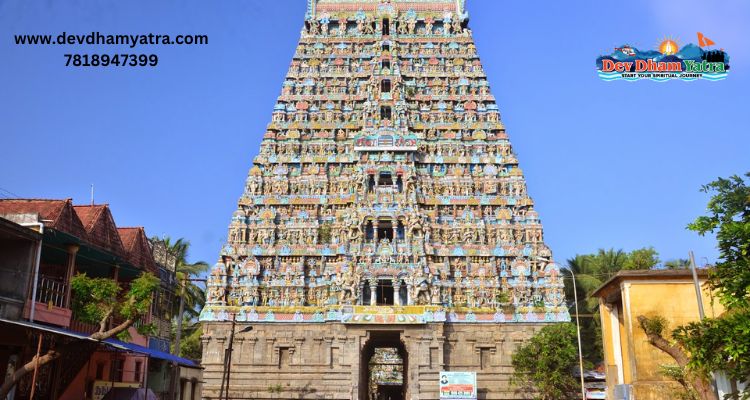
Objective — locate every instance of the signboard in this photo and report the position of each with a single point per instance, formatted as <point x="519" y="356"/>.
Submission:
<point x="101" y="388"/>
<point x="456" y="385"/>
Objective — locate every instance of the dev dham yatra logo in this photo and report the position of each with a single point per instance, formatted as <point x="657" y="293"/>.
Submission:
<point x="669" y="62"/>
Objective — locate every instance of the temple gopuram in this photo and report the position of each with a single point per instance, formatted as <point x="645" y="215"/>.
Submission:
<point x="385" y="232"/>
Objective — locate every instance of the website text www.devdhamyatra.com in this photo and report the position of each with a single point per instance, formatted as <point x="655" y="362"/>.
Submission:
<point x="122" y="59"/>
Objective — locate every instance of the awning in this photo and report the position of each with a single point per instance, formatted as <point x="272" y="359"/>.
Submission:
<point x="51" y="329"/>
<point x="114" y="343"/>
<point x="151" y="352"/>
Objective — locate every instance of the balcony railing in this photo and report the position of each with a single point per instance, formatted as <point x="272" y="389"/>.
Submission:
<point x="51" y="291"/>
<point x="82" y="327"/>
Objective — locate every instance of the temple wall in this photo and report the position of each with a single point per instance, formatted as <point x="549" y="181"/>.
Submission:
<point x="322" y="361"/>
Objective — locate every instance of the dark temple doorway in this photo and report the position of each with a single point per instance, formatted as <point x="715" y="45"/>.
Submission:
<point x="383" y="367"/>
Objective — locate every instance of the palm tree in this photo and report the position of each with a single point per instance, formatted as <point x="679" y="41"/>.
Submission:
<point x="591" y="271"/>
<point x="194" y="296"/>
<point x="610" y="262"/>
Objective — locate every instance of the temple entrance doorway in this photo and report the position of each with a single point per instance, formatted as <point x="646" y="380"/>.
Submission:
<point x="383" y="366"/>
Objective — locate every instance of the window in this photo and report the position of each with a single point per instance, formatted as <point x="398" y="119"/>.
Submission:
<point x="385" y="292"/>
<point x="386" y="64"/>
<point x="386" y="47"/>
<point x="385" y="230"/>
<point x="484" y="358"/>
<point x="116" y="370"/>
<point x="283" y="356"/>
<point x="137" y="373"/>
<point x="386" y="27"/>
<point x="369" y="231"/>
<point x="99" y="370"/>
<point x="385" y="179"/>
<point x="385" y="86"/>
<point x="385" y="112"/>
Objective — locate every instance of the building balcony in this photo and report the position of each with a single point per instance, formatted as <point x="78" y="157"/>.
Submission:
<point x="50" y="305"/>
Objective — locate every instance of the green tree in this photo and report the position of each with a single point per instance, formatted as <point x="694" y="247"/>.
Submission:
<point x="729" y="218"/>
<point x="544" y="364"/>
<point x="678" y="263"/>
<point x="194" y="295"/>
<point x="591" y="271"/>
<point x="191" y="345"/>
<point x="645" y="258"/>
<point x="588" y="278"/>
<point x="610" y="262"/>
<point x="95" y="300"/>
<point x="723" y="343"/>
<point x="654" y="328"/>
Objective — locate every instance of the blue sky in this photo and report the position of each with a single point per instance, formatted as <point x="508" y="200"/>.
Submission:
<point x="609" y="164"/>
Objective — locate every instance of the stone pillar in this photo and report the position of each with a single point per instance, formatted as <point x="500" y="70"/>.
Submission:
<point x="373" y="292"/>
<point x="397" y="292"/>
<point x="375" y="231"/>
<point x="183" y="389"/>
<point x="71" y="267"/>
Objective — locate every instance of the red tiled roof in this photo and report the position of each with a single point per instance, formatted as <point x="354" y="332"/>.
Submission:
<point x="137" y="248"/>
<point x="93" y="224"/>
<point x="129" y="236"/>
<point x="89" y="214"/>
<point x="57" y="214"/>
<point x="101" y="228"/>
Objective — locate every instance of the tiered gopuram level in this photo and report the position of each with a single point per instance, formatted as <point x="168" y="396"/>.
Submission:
<point x="386" y="198"/>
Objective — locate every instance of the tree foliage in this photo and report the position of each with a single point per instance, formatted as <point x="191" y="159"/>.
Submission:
<point x="591" y="271"/>
<point x="678" y="263"/>
<point x="729" y="218"/>
<point x="645" y="258"/>
<point x="194" y="295"/>
<point x="719" y="344"/>
<point x="191" y="345"/>
<point x="545" y="363"/>
<point x="695" y="381"/>
<point x="723" y="343"/>
<point x="97" y="301"/>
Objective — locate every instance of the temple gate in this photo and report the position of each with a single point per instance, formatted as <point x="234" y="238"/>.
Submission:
<point x="385" y="232"/>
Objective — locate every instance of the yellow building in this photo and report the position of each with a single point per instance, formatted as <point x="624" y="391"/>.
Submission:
<point x="630" y="359"/>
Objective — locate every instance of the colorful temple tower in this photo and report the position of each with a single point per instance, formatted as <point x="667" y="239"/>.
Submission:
<point x="385" y="232"/>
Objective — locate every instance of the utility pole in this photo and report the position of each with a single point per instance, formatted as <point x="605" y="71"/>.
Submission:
<point x="578" y="332"/>
<point x="228" y="360"/>
<point x="177" y="339"/>
<point x="701" y="311"/>
<point x="178" y="336"/>
<point x="697" y="284"/>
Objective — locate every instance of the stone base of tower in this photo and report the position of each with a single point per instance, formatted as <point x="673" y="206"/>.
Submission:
<point x="330" y="360"/>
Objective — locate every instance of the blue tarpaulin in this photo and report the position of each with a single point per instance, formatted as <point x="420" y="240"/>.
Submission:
<point x="117" y="344"/>
<point x="150" y="352"/>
